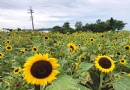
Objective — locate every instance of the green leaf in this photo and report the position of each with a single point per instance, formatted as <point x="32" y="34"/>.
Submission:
<point x="65" y="82"/>
<point x="84" y="67"/>
<point x="122" y="84"/>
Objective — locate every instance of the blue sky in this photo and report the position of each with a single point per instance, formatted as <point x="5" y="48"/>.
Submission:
<point x="49" y="13"/>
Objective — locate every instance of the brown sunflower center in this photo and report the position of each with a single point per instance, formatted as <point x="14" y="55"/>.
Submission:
<point x="35" y="49"/>
<point x="91" y="39"/>
<point x="127" y="47"/>
<point x="71" y="48"/>
<point x="0" y="54"/>
<point x="122" y="61"/>
<point x="8" y="47"/>
<point x="8" y="41"/>
<point x="105" y="63"/>
<point x="46" y="37"/>
<point x="41" y="69"/>
<point x="16" y="70"/>
<point x="118" y="53"/>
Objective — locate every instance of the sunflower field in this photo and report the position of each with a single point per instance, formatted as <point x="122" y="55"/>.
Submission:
<point x="54" y="61"/>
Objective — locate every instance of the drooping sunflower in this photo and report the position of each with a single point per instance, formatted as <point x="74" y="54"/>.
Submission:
<point x="127" y="47"/>
<point x="17" y="70"/>
<point x="72" y="48"/>
<point x="122" y="61"/>
<point x="40" y="70"/>
<point x="1" y="55"/>
<point x="8" y="48"/>
<point x="104" y="64"/>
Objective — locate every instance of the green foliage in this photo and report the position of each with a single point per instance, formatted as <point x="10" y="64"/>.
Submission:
<point x="82" y="77"/>
<point x="122" y="84"/>
<point x="65" y="82"/>
<point x="100" y="26"/>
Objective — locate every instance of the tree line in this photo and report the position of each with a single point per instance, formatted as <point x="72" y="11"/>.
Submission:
<point x="99" y="26"/>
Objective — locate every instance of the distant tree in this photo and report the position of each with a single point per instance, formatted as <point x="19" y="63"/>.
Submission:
<point x="114" y="24"/>
<point x="19" y="29"/>
<point x="120" y="25"/>
<point x="98" y="21"/>
<point x="85" y="28"/>
<point x="66" y="25"/>
<point x="93" y="27"/>
<point x="101" y="26"/>
<point x="57" y="29"/>
<point x="78" y="26"/>
<point x="9" y="29"/>
<point x="111" y="24"/>
<point x="66" y="28"/>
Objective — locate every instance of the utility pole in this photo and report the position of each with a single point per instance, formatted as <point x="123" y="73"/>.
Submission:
<point x="31" y="11"/>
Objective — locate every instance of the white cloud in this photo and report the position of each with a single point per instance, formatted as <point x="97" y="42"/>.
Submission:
<point x="52" y="12"/>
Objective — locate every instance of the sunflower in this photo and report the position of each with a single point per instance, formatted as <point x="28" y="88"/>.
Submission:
<point x="104" y="64"/>
<point x="1" y="55"/>
<point x="17" y="70"/>
<point x="99" y="46"/>
<point x="118" y="53"/>
<point x="0" y="37"/>
<point x="46" y="37"/>
<point x="126" y="47"/>
<point x="122" y="61"/>
<point x="102" y="36"/>
<point x="8" y="48"/>
<point x="34" y="49"/>
<point x="22" y="51"/>
<point x="128" y="74"/>
<point x="39" y="69"/>
<point x="92" y="39"/>
<point x="107" y="52"/>
<point x="72" y="48"/>
<point x="114" y="44"/>
<point x="8" y="41"/>
<point x="116" y="38"/>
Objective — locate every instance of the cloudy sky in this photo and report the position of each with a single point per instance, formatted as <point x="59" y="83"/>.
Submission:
<point x="48" y="13"/>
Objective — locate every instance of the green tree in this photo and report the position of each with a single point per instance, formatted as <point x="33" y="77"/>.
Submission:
<point x="78" y="26"/>
<point x="111" y="24"/>
<point x="57" y="29"/>
<point x="66" y="28"/>
<point x="66" y="25"/>
<point x="120" y="25"/>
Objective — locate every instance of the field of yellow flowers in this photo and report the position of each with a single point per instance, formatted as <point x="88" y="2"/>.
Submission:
<point x="54" y="61"/>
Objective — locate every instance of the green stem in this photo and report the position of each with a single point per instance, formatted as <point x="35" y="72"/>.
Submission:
<point x="101" y="79"/>
<point x="37" y="87"/>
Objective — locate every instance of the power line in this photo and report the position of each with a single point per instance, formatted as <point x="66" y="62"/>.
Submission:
<point x="31" y="11"/>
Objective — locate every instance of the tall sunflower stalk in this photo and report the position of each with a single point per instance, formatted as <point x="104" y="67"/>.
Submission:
<point x="37" y="87"/>
<point x="101" y="79"/>
<point x="105" y="65"/>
